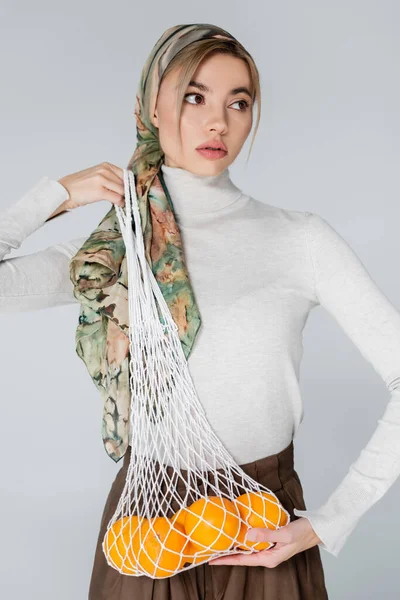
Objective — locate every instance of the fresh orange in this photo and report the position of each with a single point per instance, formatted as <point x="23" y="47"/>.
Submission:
<point x="201" y="556"/>
<point x="258" y="510"/>
<point x="284" y="519"/>
<point x="211" y="522"/>
<point x="116" y="544"/>
<point x="179" y="516"/>
<point x="159" y="546"/>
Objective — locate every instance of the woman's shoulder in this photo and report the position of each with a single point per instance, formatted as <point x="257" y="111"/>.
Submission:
<point x="283" y="216"/>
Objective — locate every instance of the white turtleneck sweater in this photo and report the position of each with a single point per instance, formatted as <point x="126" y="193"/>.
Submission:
<point x="257" y="270"/>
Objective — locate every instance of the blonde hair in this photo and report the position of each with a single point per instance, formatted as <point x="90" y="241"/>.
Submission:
<point x="189" y="58"/>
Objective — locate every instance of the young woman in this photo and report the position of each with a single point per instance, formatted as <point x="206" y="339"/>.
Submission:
<point x="256" y="270"/>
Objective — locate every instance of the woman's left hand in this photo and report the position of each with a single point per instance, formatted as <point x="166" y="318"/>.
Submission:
<point x="295" y="537"/>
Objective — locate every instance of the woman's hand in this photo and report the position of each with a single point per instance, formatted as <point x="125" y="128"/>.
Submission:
<point x="295" y="537"/>
<point x="101" y="182"/>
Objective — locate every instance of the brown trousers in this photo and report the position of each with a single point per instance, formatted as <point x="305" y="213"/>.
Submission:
<point x="301" y="577"/>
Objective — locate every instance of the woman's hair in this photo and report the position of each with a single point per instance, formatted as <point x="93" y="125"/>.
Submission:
<point x="189" y="58"/>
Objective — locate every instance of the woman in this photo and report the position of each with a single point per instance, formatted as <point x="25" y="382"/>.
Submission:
<point x="257" y="270"/>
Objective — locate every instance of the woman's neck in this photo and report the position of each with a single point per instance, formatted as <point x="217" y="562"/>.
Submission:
<point x="193" y="194"/>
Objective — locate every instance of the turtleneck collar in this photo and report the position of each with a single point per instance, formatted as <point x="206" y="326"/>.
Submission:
<point x="193" y="194"/>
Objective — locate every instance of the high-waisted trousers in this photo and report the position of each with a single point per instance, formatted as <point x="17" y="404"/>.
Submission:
<point x="300" y="577"/>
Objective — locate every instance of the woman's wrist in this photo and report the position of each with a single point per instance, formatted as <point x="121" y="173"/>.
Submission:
<point x="64" y="207"/>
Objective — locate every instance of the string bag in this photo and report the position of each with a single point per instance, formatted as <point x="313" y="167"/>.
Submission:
<point x="185" y="500"/>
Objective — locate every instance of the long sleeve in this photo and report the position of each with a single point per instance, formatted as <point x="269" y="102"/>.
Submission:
<point x="345" y="289"/>
<point x="40" y="279"/>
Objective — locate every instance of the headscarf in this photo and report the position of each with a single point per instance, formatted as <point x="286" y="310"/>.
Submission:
<point x="98" y="270"/>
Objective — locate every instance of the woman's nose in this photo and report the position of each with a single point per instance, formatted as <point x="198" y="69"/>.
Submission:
<point x="217" y="121"/>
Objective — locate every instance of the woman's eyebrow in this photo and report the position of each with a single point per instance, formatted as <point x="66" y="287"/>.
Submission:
<point x="202" y="87"/>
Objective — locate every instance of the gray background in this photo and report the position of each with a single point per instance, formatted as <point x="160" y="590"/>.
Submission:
<point x="328" y="142"/>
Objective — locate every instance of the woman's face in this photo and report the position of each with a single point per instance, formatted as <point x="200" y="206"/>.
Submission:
<point x="215" y="112"/>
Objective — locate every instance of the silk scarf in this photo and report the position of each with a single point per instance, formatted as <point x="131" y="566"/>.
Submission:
<point x="98" y="270"/>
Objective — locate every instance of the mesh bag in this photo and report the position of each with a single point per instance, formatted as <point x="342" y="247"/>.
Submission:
<point x="185" y="500"/>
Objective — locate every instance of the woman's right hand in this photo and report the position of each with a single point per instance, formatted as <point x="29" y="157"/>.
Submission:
<point x="101" y="182"/>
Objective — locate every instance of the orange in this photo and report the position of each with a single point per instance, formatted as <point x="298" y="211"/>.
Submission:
<point x="158" y="549"/>
<point x="179" y="516"/>
<point x="200" y="557"/>
<point x="258" y="510"/>
<point x="211" y="522"/>
<point x="284" y="519"/>
<point x="189" y="550"/>
<point x="116" y="544"/>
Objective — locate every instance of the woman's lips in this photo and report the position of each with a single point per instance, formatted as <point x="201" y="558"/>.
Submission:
<point x="211" y="154"/>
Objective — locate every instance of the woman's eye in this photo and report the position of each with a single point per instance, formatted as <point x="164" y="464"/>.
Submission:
<point x="198" y="95"/>
<point x="246" y="104"/>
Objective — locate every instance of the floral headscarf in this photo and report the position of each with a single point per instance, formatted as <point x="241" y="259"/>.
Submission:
<point x="98" y="270"/>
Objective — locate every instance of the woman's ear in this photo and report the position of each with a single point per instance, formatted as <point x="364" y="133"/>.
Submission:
<point x="155" y="119"/>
